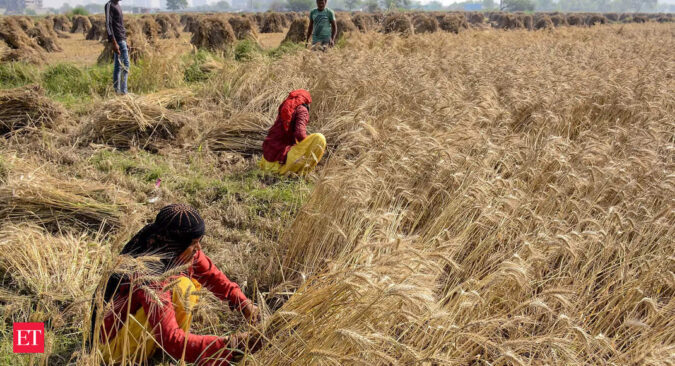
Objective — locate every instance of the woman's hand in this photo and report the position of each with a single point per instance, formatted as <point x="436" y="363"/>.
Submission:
<point x="251" y="313"/>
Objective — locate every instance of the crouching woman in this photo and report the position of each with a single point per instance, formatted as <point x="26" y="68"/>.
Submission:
<point x="287" y="147"/>
<point x="143" y="313"/>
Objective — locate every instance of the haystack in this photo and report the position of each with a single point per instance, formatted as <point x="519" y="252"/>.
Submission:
<point x="24" y="22"/>
<point x="476" y="18"/>
<point x="666" y="18"/>
<point x="150" y="28"/>
<point x="575" y="20"/>
<point x="510" y="21"/>
<point x="640" y="19"/>
<point x="612" y="17"/>
<point x="20" y="46"/>
<point x="243" y="28"/>
<point x="81" y="24"/>
<point x="397" y="23"/>
<point x="344" y="25"/>
<point x="27" y="108"/>
<point x="32" y="195"/>
<point x="363" y="22"/>
<point x="543" y="22"/>
<point x="558" y="20"/>
<point x="62" y="23"/>
<point x="242" y="133"/>
<point x="97" y="30"/>
<point x="527" y="20"/>
<point x="272" y="23"/>
<point x="125" y="122"/>
<point x="453" y="23"/>
<point x="425" y="24"/>
<point x="168" y="27"/>
<point x="594" y="19"/>
<point x="44" y="38"/>
<point x="191" y="24"/>
<point x="298" y="30"/>
<point x="214" y="33"/>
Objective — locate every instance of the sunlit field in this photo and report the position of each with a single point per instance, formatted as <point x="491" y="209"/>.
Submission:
<point x="488" y="197"/>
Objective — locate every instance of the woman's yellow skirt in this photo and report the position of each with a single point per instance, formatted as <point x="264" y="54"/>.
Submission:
<point x="301" y="158"/>
<point x="135" y="341"/>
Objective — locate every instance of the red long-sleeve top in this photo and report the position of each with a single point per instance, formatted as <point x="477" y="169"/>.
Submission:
<point x="203" y="349"/>
<point x="279" y="141"/>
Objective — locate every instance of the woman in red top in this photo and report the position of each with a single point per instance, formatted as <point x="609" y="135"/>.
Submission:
<point x="142" y="314"/>
<point x="287" y="147"/>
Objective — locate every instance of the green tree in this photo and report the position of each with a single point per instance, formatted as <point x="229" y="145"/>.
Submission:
<point x="299" y="5"/>
<point x="176" y="4"/>
<point x="395" y="4"/>
<point x="351" y="4"/>
<point x="517" y="5"/>
<point x="79" y="11"/>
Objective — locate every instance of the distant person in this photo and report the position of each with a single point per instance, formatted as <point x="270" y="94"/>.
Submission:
<point x="117" y="35"/>
<point x="287" y="147"/>
<point x="322" y="26"/>
<point x="143" y="313"/>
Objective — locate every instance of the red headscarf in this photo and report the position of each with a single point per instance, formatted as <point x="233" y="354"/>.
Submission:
<point x="294" y="99"/>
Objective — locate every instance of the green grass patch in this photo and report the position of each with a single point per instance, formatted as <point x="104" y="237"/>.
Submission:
<point x="15" y="74"/>
<point x="246" y="50"/>
<point x="284" y="49"/>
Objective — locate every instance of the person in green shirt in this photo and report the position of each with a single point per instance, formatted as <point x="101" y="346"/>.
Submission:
<point x="322" y="26"/>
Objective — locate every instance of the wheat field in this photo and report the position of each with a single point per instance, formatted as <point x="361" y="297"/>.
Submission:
<point x="488" y="198"/>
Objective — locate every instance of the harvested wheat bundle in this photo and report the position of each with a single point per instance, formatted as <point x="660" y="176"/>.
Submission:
<point x="32" y="195"/>
<point x="453" y="23"/>
<point x="150" y="28"/>
<point x="425" y="24"/>
<point x="272" y="23"/>
<point x="62" y="23"/>
<point x="21" y="46"/>
<point x="612" y="17"/>
<point x="243" y="28"/>
<point x="48" y="24"/>
<point x="27" y="107"/>
<point x="476" y="18"/>
<point x="640" y="19"/>
<point x="558" y="20"/>
<point x="242" y="133"/>
<point x="575" y="20"/>
<point x="137" y="44"/>
<point x="363" y="22"/>
<point x="398" y="23"/>
<point x="97" y="30"/>
<point x="510" y="21"/>
<point x="44" y="38"/>
<point x="170" y="98"/>
<point x="259" y="17"/>
<point x="214" y="33"/>
<point x="168" y="27"/>
<point x="664" y="19"/>
<point x="297" y="31"/>
<point x="125" y="122"/>
<point x="191" y="23"/>
<point x="24" y="22"/>
<point x="344" y="25"/>
<point x="594" y="19"/>
<point x="527" y="20"/>
<point x="544" y="22"/>
<point x="81" y="24"/>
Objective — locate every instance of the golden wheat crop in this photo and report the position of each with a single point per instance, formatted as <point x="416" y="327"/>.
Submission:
<point x="489" y="197"/>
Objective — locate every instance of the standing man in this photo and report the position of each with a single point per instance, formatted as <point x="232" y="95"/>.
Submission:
<point x="322" y="26"/>
<point x="117" y="35"/>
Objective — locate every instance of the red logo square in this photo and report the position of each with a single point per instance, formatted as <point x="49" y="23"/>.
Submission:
<point x="29" y="338"/>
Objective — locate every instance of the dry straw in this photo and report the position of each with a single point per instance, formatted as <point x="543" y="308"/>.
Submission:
<point x="125" y="122"/>
<point x="28" y="108"/>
